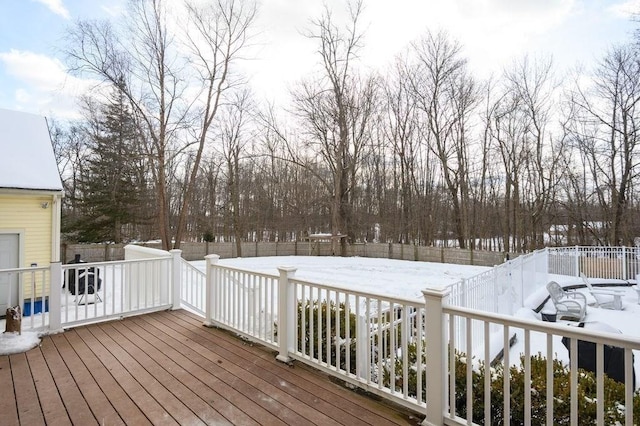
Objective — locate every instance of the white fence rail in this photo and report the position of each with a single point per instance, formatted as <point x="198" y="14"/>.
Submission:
<point x="32" y="286"/>
<point x="548" y="392"/>
<point x="598" y="262"/>
<point x="62" y="296"/>
<point x="318" y="324"/>
<point x="192" y="288"/>
<point x="125" y="288"/>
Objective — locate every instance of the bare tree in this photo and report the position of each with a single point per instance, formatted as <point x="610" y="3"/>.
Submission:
<point x="336" y="111"/>
<point x="606" y="131"/>
<point x="174" y="81"/>
<point x="447" y="95"/>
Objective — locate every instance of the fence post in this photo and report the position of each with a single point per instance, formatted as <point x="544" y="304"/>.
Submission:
<point x="55" y="295"/>
<point x="436" y="354"/>
<point x="577" y="261"/>
<point x="210" y="288"/>
<point x="176" y="278"/>
<point x="286" y="313"/>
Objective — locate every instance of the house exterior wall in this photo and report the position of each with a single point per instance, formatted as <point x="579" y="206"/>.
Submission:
<point x="23" y="213"/>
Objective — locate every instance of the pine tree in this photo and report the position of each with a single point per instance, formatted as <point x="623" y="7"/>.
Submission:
<point x="112" y="188"/>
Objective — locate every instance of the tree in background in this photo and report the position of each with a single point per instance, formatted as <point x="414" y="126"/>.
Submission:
<point x="111" y="187"/>
<point x="336" y="110"/>
<point x="176" y="75"/>
<point x="606" y="132"/>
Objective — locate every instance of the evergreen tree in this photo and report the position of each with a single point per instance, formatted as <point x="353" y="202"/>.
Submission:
<point x="113" y="184"/>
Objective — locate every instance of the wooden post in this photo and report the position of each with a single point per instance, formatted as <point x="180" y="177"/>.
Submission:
<point x="436" y="354"/>
<point x="212" y="287"/>
<point x="286" y="314"/>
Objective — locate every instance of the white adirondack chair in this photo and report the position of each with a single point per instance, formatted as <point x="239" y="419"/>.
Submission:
<point x="569" y="304"/>
<point x="605" y="298"/>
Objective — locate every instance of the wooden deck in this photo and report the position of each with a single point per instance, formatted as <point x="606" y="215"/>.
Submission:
<point x="166" y="368"/>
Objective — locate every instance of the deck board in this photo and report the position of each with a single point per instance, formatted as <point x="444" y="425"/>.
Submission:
<point x="166" y="368"/>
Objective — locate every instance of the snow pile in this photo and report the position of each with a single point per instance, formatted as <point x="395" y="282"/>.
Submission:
<point x="13" y="343"/>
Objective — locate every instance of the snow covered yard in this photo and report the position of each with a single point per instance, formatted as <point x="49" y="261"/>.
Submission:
<point x="398" y="278"/>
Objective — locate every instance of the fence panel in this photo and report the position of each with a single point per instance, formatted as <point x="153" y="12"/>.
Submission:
<point x="106" y="290"/>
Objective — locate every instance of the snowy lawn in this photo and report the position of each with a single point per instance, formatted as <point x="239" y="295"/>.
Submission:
<point x="397" y="278"/>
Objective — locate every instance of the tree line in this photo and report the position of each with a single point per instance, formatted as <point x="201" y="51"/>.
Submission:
<point x="174" y="146"/>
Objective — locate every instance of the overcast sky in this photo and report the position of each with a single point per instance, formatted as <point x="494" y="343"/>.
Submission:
<point x="492" y="32"/>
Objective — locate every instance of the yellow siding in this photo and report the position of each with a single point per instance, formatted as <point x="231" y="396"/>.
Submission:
<point x="24" y="214"/>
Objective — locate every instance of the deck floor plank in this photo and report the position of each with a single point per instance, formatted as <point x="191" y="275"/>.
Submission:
<point x="164" y="372"/>
<point x="312" y="409"/>
<point x="248" y="385"/>
<point x="77" y="407"/>
<point x="98" y="402"/>
<point x="53" y="408"/>
<point x="154" y="387"/>
<point x="8" y="406"/>
<point x="119" y="399"/>
<point x="26" y="396"/>
<point x="154" y="411"/>
<point x="167" y="368"/>
<point x="258" y="361"/>
<point x="233" y="404"/>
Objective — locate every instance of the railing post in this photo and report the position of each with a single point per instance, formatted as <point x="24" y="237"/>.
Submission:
<point x="362" y="346"/>
<point x="211" y="286"/>
<point x="286" y="313"/>
<point x="55" y="296"/>
<point x="436" y="355"/>
<point x="577" y="261"/>
<point x="624" y="263"/>
<point x="176" y="278"/>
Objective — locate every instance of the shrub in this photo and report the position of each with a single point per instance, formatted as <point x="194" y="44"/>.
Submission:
<point x="587" y="404"/>
<point x="320" y="312"/>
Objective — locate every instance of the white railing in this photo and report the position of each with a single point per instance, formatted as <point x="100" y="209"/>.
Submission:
<point x="32" y="285"/>
<point x="243" y="301"/>
<point x="128" y="287"/>
<point x="394" y="347"/>
<point x="62" y="296"/>
<point x="318" y="324"/>
<point x="192" y="288"/>
<point x="598" y="262"/>
<point x="577" y="393"/>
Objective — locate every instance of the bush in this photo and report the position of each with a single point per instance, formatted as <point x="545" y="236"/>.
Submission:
<point x="337" y="314"/>
<point x="613" y="392"/>
<point x="320" y="311"/>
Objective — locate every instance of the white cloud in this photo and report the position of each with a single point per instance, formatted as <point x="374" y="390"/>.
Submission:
<point x="625" y="9"/>
<point x="56" y="6"/>
<point x="43" y="85"/>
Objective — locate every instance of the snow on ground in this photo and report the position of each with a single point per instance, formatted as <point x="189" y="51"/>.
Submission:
<point x="625" y="321"/>
<point x="398" y="278"/>
<point x="13" y="343"/>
